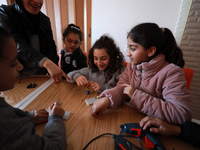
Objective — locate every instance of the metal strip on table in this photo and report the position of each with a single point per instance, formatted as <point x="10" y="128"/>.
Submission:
<point x="28" y="99"/>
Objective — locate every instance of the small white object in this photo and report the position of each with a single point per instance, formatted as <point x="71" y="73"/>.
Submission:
<point x="66" y="115"/>
<point x="91" y="101"/>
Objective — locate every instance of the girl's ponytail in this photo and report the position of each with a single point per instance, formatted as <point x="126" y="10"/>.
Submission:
<point x="173" y="53"/>
<point x="150" y="34"/>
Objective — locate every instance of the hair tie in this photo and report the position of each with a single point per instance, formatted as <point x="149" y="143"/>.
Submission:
<point x="75" y="28"/>
<point x="163" y="30"/>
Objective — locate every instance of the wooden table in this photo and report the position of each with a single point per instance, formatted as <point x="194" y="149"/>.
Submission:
<point x="20" y="90"/>
<point x="81" y="127"/>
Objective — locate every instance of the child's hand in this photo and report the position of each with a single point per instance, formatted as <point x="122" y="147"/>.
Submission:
<point x="82" y="81"/>
<point x="56" y="109"/>
<point x="96" y="86"/>
<point x="40" y="116"/>
<point x="99" y="107"/>
<point x="162" y="127"/>
<point x="128" y="90"/>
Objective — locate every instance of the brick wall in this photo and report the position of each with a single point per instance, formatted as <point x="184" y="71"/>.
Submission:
<point x="190" y="44"/>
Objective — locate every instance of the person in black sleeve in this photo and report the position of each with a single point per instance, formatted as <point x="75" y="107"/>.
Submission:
<point x="189" y="131"/>
<point x="31" y="30"/>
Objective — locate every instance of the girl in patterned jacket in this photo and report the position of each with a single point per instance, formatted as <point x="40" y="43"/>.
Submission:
<point x="71" y="57"/>
<point x="154" y="81"/>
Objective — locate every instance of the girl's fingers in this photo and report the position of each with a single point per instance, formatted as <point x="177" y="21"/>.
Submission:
<point x="154" y="130"/>
<point x="97" y="114"/>
<point x="144" y="121"/>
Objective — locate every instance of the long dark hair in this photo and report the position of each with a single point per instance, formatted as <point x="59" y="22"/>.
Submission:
<point x="116" y="56"/>
<point x="149" y="34"/>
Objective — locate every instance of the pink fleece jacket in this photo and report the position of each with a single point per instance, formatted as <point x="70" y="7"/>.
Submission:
<point x="160" y="90"/>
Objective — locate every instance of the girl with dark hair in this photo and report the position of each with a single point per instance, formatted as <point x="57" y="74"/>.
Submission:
<point x="105" y="66"/>
<point x="149" y="34"/>
<point x="154" y="81"/>
<point x="71" y="57"/>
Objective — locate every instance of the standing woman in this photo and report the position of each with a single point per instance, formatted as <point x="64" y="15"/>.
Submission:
<point x="32" y="32"/>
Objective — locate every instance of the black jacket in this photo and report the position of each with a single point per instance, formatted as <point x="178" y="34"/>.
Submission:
<point x="78" y="60"/>
<point x="190" y="133"/>
<point x="14" y="19"/>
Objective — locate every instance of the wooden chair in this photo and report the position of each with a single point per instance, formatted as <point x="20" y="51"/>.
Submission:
<point x="188" y="76"/>
<point x="125" y="64"/>
<point x="85" y="53"/>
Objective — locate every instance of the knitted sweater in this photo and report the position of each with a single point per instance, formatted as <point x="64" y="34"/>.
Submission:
<point x="96" y="77"/>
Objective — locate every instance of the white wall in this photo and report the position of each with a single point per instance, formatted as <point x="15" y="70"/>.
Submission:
<point x="3" y="2"/>
<point x="117" y="17"/>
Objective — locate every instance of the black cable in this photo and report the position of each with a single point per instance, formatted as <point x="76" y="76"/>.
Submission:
<point x="96" y="138"/>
